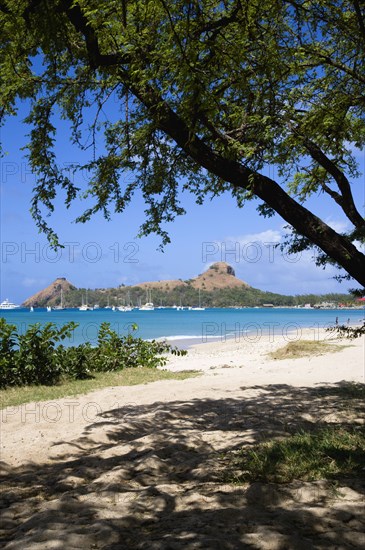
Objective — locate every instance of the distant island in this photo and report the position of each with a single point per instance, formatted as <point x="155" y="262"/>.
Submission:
<point x="218" y="286"/>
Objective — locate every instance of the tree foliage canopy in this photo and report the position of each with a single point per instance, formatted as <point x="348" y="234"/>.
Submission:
<point x="205" y="95"/>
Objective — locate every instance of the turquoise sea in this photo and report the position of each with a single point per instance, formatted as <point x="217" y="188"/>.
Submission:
<point x="189" y="327"/>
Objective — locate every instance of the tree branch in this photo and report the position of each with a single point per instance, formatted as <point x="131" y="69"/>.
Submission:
<point x="329" y="61"/>
<point x="333" y="244"/>
<point x="220" y="23"/>
<point x="81" y="24"/>
<point x="360" y="18"/>
<point x="345" y="200"/>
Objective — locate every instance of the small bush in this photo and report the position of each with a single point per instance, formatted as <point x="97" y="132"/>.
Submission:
<point x="39" y="358"/>
<point x="114" y="352"/>
<point x="31" y="358"/>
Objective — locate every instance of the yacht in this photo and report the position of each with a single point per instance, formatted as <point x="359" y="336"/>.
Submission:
<point x="60" y="306"/>
<point x="85" y="307"/>
<point x="8" y="305"/>
<point x="49" y="308"/>
<point x="199" y="308"/>
<point x="148" y="305"/>
<point x="124" y="308"/>
<point x="128" y="306"/>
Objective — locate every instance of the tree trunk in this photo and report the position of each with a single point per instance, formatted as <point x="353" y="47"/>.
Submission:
<point x="336" y="246"/>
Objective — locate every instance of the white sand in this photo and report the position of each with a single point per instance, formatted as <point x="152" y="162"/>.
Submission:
<point x="141" y="466"/>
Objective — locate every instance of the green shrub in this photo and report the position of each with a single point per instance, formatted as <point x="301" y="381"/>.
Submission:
<point x="31" y="358"/>
<point x="38" y="356"/>
<point x="76" y="361"/>
<point x="114" y="352"/>
<point x="8" y="342"/>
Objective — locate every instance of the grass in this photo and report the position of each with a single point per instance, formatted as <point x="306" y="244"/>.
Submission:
<point x="328" y="453"/>
<point x="127" y="377"/>
<point x="304" y="348"/>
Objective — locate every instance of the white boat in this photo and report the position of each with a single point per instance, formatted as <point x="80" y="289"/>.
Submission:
<point x="199" y="308"/>
<point x="6" y="304"/>
<point x="31" y="308"/>
<point x="125" y="308"/>
<point x="148" y="306"/>
<point x="85" y="307"/>
<point x="49" y="308"/>
<point x="128" y="306"/>
<point x="61" y="304"/>
<point x="181" y="307"/>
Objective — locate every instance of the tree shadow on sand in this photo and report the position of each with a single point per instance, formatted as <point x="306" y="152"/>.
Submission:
<point x="150" y="476"/>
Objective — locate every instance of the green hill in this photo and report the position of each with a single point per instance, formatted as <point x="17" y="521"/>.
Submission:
<point x="218" y="287"/>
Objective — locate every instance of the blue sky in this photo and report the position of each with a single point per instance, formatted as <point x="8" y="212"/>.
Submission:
<point x="104" y="254"/>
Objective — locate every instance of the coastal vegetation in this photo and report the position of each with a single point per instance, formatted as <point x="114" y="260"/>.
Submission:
<point x="225" y="297"/>
<point x="38" y="356"/>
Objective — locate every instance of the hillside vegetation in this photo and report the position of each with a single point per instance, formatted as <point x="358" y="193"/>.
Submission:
<point x="216" y="287"/>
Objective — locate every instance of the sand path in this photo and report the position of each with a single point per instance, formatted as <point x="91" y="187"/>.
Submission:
<point x="142" y="467"/>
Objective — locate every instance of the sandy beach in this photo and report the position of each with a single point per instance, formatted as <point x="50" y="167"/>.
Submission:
<point x="141" y="467"/>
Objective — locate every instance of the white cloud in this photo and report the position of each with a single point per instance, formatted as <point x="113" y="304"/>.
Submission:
<point x="240" y="249"/>
<point x="268" y="236"/>
<point x="338" y="225"/>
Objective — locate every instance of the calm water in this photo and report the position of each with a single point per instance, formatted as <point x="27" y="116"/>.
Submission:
<point x="188" y="326"/>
